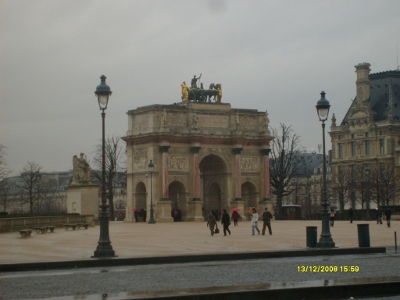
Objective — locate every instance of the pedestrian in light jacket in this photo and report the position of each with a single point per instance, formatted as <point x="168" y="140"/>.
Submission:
<point x="254" y="222"/>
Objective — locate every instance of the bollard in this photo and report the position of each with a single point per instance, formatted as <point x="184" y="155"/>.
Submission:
<point x="311" y="236"/>
<point x="363" y="235"/>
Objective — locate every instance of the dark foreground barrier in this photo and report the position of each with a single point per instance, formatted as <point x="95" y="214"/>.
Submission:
<point x="118" y="261"/>
<point x="311" y="235"/>
<point x="363" y="235"/>
<point x="318" y="289"/>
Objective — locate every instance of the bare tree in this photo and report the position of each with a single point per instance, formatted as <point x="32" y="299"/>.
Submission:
<point x="285" y="162"/>
<point x="383" y="182"/>
<point x="113" y="153"/>
<point x="341" y="184"/>
<point x="361" y="184"/>
<point x="30" y="185"/>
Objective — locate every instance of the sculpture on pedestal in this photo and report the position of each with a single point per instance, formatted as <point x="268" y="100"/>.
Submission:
<point x="199" y="94"/>
<point x="81" y="170"/>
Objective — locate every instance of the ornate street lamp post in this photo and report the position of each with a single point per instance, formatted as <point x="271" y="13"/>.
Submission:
<point x="368" y="204"/>
<point x="104" y="248"/>
<point x="151" y="169"/>
<point x="326" y="240"/>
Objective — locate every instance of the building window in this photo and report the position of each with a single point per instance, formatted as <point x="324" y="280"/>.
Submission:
<point x="352" y="136"/>
<point x="339" y="137"/>
<point x="382" y="146"/>
<point x="366" y="134"/>
<point x="353" y="148"/>
<point x="340" y="145"/>
<point x="367" y="148"/>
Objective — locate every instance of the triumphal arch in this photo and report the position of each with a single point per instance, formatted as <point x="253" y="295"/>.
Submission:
<point x="206" y="155"/>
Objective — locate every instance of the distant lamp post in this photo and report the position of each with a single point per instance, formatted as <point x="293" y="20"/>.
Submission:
<point x="104" y="248"/>
<point x="367" y="178"/>
<point x="151" y="169"/>
<point x="326" y="240"/>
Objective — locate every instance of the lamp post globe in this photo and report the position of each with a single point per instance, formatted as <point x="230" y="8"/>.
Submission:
<point x="151" y="169"/>
<point x="104" y="248"/>
<point x="326" y="240"/>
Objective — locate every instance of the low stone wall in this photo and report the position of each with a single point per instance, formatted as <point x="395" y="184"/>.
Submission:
<point x="15" y="224"/>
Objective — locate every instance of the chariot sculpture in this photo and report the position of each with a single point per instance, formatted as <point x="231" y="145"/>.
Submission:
<point x="199" y="94"/>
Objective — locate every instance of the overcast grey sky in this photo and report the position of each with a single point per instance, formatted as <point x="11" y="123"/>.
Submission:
<point x="268" y="55"/>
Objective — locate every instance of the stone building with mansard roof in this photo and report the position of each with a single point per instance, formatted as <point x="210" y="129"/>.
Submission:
<point x="206" y="155"/>
<point x="368" y="138"/>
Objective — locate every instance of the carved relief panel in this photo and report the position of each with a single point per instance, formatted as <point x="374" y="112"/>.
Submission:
<point x="177" y="163"/>
<point x="249" y="164"/>
<point x="140" y="163"/>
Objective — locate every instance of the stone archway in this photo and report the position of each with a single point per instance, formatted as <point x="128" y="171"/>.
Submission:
<point x="214" y="181"/>
<point x="177" y="195"/>
<point x="249" y="196"/>
<point x="140" y="197"/>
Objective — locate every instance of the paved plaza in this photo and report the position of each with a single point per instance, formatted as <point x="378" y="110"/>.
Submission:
<point x="275" y="278"/>
<point x="130" y="240"/>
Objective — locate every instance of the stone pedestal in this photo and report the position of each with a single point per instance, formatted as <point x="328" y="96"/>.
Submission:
<point x="195" y="211"/>
<point x="164" y="211"/>
<point x="83" y="199"/>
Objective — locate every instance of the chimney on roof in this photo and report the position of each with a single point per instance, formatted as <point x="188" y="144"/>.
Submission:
<point x="362" y="83"/>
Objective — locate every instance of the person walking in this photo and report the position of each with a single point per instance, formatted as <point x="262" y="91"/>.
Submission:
<point x="332" y="217"/>
<point x="225" y="222"/>
<point x="379" y="216"/>
<point x="211" y="223"/>
<point x="267" y="216"/>
<point x="388" y="214"/>
<point x="235" y="217"/>
<point x="351" y="214"/>
<point x="254" y="221"/>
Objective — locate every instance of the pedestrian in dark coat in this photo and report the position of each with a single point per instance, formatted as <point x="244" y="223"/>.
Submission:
<point x="235" y="218"/>
<point x="332" y="217"/>
<point x="211" y="223"/>
<point x="267" y="216"/>
<point x="379" y="216"/>
<point x="351" y="215"/>
<point x="225" y="222"/>
<point x="388" y="214"/>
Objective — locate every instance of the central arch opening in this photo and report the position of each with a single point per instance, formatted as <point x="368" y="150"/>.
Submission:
<point x="177" y="194"/>
<point x="213" y="180"/>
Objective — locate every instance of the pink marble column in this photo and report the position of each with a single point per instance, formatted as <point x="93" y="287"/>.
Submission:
<point x="267" y="188"/>
<point x="165" y="192"/>
<point x="238" y="175"/>
<point x="196" y="173"/>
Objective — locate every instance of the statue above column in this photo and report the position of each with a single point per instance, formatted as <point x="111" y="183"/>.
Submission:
<point x="197" y="93"/>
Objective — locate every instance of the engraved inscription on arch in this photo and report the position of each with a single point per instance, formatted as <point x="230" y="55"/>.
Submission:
<point x="213" y="121"/>
<point x="252" y="152"/>
<point x="176" y="150"/>
<point x="139" y="151"/>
